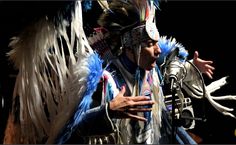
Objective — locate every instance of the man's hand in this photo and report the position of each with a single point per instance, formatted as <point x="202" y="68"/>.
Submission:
<point x="203" y="65"/>
<point x="127" y="106"/>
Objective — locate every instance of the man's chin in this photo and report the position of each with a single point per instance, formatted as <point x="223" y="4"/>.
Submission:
<point x="151" y="67"/>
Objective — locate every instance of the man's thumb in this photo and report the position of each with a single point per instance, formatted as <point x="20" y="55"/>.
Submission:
<point x="122" y="91"/>
<point x="196" y="55"/>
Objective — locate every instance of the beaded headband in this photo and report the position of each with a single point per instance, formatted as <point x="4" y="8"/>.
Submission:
<point x="139" y="34"/>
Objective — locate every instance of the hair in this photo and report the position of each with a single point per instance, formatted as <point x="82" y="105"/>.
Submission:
<point x="121" y="17"/>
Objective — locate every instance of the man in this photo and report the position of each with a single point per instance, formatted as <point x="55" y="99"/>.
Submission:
<point x="128" y="106"/>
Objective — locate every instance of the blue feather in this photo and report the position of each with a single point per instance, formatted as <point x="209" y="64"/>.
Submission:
<point x="156" y="3"/>
<point x="167" y="46"/>
<point x="95" y="67"/>
<point x="87" y="5"/>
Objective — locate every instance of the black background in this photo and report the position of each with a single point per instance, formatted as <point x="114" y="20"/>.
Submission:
<point x="206" y="26"/>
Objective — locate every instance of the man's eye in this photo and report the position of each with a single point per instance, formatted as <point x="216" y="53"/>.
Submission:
<point x="150" y="44"/>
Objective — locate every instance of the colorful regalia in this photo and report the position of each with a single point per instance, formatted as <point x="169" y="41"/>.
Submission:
<point x="63" y="85"/>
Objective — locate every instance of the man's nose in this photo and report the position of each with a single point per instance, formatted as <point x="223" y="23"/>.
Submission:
<point x="157" y="49"/>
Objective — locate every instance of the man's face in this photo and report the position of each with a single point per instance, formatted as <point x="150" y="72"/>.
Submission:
<point x="149" y="54"/>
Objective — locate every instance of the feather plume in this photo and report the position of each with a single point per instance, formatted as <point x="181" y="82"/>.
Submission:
<point x="98" y="43"/>
<point x="52" y="77"/>
<point x="145" y="8"/>
<point x="104" y="4"/>
<point x="92" y="66"/>
<point x="156" y="3"/>
<point x="87" y="5"/>
<point x="28" y="55"/>
<point x="167" y="46"/>
<point x="194" y="89"/>
<point x="142" y="8"/>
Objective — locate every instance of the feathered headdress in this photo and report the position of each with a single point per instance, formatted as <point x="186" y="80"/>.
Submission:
<point x="120" y="17"/>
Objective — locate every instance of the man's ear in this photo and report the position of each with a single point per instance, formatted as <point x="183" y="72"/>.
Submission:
<point x="129" y="53"/>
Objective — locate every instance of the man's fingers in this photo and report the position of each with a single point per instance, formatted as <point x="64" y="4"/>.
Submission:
<point x="209" y="62"/>
<point x="210" y="71"/>
<point x="135" y="109"/>
<point x="135" y="117"/>
<point x="139" y="101"/>
<point x="143" y="103"/>
<point x="139" y="98"/>
<point x="209" y="75"/>
<point x="210" y="67"/>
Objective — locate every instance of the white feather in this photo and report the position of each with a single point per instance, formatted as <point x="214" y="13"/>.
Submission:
<point x="50" y="83"/>
<point x="197" y="92"/>
<point x="104" y="4"/>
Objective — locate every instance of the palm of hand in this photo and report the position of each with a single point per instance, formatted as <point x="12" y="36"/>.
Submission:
<point x="203" y="65"/>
